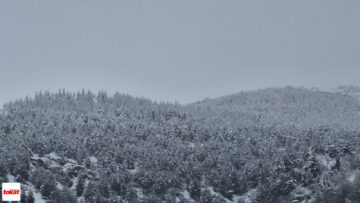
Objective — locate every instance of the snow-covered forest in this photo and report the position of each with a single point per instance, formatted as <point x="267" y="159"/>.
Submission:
<point x="273" y="145"/>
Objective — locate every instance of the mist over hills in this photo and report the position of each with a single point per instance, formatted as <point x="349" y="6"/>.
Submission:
<point x="272" y="145"/>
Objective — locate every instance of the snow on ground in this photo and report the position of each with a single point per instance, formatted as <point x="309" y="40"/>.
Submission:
<point x="37" y="196"/>
<point x="191" y="144"/>
<point x="211" y="190"/>
<point x="136" y="168"/>
<point x="186" y="195"/>
<point x="139" y="193"/>
<point x="326" y="161"/>
<point x="29" y="187"/>
<point x="53" y="156"/>
<point x="35" y="156"/>
<point x="81" y="199"/>
<point x="216" y="194"/>
<point x="52" y="161"/>
<point x="59" y="185"/>
<point x="74" y="181"/>
<point x="301" y="194"/>
<point x="353" y="176"/>
<point x="11" y="178"/>
<point x="93" y="160"/>
<point x="247" y="197"/>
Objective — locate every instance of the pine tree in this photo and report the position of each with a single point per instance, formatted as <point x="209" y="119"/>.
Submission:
<point x="30" y="197"/>
<point x="91" y="193"/>
<point x="80" y="186"/>
<point x="49" y="186"/>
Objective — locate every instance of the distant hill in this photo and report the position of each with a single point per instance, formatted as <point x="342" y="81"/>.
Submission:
<point x="286" y="106"/>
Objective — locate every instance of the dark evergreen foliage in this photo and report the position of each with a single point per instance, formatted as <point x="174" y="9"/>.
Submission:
<point x="275" y="145"/>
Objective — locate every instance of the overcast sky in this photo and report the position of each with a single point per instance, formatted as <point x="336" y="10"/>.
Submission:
<point x="177" y="50"/>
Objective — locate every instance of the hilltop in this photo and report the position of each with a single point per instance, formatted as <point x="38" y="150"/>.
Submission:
<point x="288" y="106"/>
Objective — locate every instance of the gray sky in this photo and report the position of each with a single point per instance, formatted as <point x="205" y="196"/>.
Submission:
<point x="177" y="50"/>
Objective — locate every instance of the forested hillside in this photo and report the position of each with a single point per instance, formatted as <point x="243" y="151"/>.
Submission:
<point x="273" y="145"/>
